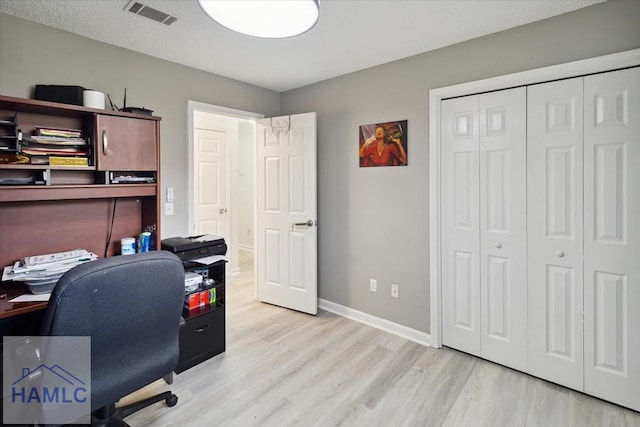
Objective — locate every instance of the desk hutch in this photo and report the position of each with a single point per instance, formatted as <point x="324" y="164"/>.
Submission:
<point x="59" y="208"/>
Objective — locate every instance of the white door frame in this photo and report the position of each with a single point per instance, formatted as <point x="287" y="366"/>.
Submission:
<point x="193" y="106"/>
<point x="624" y="59"/>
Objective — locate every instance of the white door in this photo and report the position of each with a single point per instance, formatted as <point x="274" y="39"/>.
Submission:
<point x="286" y="212"/>
<point x="555" y="193"/>
<point x="612" y="236"/>
<point x="484" y="225"/>
<point x="503" y="277"/>
<point x="210" y="181"/>
<point x="460" y="224"/>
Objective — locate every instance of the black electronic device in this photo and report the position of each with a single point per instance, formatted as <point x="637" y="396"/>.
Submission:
<point x="137" y="110"/>
<point x="194" y="247"/>
<point x="125" y="109"/>
<point x="63" y="94"/>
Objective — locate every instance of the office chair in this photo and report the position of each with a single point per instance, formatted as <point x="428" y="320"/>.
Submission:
<point x="131" y="308"/>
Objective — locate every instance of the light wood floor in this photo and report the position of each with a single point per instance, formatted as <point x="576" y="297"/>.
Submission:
<point x="284" y="368"/>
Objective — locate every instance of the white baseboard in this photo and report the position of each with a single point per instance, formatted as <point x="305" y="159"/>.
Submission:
<point x="245" y="247"/>
<point x="385" y="325"/>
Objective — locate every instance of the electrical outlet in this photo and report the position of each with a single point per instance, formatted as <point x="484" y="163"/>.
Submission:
<point x="395" y="293"/>
<point x="373" y="285"/>
<point x="168" y="209"/>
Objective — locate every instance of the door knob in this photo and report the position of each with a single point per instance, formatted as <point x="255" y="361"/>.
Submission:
<point x="559" y="254"/>
<point x="498" y="245"/>
<point x="309" y="223"/>
<point x="223" y="210"/>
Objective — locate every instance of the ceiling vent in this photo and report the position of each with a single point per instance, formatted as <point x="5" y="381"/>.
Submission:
<point x="151" y="13"/>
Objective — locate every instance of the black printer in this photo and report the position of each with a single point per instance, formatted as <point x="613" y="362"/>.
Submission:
<point x="194" y="247"/>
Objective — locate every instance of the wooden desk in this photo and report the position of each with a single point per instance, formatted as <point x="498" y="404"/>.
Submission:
<point x="10" y="309"/>
<point x="19" y="318"/>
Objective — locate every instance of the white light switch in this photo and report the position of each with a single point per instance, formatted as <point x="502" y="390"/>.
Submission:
<point x="169" y="194"/>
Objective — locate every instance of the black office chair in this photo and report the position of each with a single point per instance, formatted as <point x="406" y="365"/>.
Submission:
<point x="131" y="308"/>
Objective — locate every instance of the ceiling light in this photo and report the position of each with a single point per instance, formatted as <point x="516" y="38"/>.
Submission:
<point x="264" y="18"/>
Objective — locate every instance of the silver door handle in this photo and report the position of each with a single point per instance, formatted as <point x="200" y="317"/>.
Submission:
<point x="498" y="245"/>
<point x="223" y="211"/>
<point x="309" y="223"/>
<point x="105" y="141"/>
<point x="559" y="254"/>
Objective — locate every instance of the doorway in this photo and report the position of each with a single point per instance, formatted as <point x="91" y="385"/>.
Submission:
<point x="221" y="178"/>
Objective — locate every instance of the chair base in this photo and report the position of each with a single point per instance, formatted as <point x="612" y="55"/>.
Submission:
<point x="109" y="416"/>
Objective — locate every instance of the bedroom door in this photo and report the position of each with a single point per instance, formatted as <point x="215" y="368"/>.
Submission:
<point x="286" y="212"/>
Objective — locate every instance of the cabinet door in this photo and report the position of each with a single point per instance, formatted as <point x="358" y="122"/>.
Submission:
<point x="126" y="144"/>
<point x="612" y="236"/>
<point x="554" y="212"/>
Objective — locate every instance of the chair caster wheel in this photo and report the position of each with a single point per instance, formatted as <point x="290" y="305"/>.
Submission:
<point x="172" y="400"/>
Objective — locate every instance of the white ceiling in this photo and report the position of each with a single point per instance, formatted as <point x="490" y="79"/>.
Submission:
<point x="351" y="35"/>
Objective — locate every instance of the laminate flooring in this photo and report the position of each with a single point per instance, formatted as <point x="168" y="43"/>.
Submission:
<point x="285" y="368"/>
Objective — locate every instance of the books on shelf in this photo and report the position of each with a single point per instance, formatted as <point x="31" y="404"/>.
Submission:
<point x="57" y="147"/>
<point x="55" y="140"/>
<point x="40" y="150"/>
<point x="68" y="161"/>
<point x="57" y="132"/>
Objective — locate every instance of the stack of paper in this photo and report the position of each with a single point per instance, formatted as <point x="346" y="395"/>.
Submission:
<point x="46" y="269"/>
<point x="51" y="142"/>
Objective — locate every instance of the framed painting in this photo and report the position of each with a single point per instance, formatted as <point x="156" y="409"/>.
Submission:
<point x="383" y="144"/>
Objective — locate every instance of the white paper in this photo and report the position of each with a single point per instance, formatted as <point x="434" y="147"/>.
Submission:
<point x="207" y="238"/>
<point x="31" y="298"/>
<point x="208" y="260"/>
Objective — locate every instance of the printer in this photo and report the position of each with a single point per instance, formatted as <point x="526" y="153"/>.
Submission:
<point x="194" y="247"/>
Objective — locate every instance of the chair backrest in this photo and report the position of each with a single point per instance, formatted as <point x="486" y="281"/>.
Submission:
<point x="130" y="306"/>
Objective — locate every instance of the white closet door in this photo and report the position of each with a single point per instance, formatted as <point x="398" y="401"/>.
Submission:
<point x="554" y="231"/>
<point x="612" y="236"/>
<point x="484" y="225"/>
<point x="460" y="225"/>
<point x="503" y="283"/>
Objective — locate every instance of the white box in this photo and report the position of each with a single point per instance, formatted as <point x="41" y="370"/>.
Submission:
<point x="192" y="279"/>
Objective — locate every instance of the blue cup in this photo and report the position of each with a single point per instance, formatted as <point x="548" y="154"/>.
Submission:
<point x="144" y="241"/>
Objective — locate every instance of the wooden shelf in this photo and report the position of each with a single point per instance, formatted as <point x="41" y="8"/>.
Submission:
<point x="27" y="193"/>
<point x="78" y="206"/>
<point x="58" y="109"/>
<point x="44" y="167"/>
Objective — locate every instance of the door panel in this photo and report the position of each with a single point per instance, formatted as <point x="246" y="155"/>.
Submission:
<point x="503" y="284"/>
<point x="460" y="225"/>
<point x="554" y="231"/>
<point x="286" y="256"/>
<point x="210" y="181"/>
<point x="612" y="236"/>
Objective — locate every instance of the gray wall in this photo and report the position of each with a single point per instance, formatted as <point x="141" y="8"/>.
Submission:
<point x="374" y="222"/>
<point x="32" y="54"/>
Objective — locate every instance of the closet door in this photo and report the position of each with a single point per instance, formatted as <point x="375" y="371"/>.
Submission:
<point x="612" y="236"/>
<point x="503" y="283"/>
<point x="460" y="224"/>
<point x="483" y="226"/>
<point x="554" y="231"/>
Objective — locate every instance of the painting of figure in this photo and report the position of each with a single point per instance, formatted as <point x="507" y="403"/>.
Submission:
<point x="383" y="144"/>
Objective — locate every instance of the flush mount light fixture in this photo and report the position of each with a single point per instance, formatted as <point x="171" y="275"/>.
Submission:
<point x="264" y="18"/>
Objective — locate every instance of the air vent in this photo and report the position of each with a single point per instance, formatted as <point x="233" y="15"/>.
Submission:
<point x="151" y="13"/>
